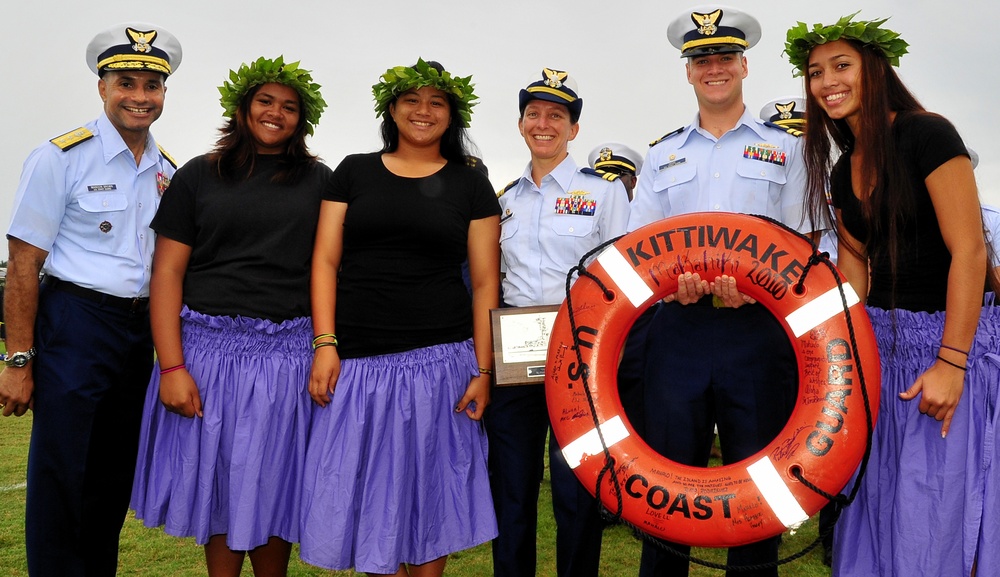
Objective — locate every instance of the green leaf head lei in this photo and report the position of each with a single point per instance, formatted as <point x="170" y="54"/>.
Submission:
<point x="265" y="71"/>
<point x="800" y="40"/>
<point x="399" y="79"/>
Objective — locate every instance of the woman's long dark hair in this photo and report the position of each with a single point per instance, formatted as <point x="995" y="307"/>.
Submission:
<point x="890" y="202"/>
<point x="235" y="153"/>
<point x="887" y="201"/>
<point x="456" y="146"/>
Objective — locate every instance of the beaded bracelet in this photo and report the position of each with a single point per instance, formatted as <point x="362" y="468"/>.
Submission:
<point x="944" y="346"/>
<point x="959" y="367"/>
<point x="172" y="369"/>
<point x="483" y="371"/>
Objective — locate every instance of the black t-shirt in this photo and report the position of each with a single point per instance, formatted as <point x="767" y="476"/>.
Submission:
<point x="251" y="240"/>
<point x="925" y="141"/>
<point x="400" y="284"/>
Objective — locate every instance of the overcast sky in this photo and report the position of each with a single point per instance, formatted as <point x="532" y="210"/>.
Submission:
<point x="630" y="77"/>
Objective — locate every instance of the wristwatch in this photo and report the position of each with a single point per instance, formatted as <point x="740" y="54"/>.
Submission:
<point x="20" y="359"/>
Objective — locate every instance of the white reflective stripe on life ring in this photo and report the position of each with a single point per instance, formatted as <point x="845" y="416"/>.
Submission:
<point x="820" y="309"/>
<point x="776" y="493"/>
<point x="624" y="275"/>
<point x="590" y="443"/>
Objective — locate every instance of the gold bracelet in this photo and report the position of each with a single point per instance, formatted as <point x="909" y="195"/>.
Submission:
<point x="483" y="371"/>
<point x="331" y="336"/>
<point x="324" y="344"/>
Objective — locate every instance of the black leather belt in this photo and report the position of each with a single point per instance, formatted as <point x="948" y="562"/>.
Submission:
<point x="124" y="303"/>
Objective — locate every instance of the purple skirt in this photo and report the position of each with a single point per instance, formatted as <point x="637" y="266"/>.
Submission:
<point x="238" y="470"/>
<point x="927" y="505"/>
<point x="393" y="475"/>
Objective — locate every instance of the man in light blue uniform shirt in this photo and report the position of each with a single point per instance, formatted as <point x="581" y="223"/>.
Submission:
<point x="724" y="361"/>
<point x="80" y="349"/>
<point x="552" y="215"/>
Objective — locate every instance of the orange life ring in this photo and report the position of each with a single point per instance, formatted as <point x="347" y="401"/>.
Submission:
<point x="758" y="497"/>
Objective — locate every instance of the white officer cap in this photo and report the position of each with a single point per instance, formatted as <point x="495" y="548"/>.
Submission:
<point x="788" y="111"/>
<point x="134" y="46"/>
<point x="615" y="156"/>
<point x="713" y="30"/>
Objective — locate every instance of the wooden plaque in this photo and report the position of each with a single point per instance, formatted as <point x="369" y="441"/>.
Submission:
<point x="520" y="343"/>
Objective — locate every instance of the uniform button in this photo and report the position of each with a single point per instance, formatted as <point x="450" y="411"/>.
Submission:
<point x="716" y="175"/>
<point x="717" y="207"/>
<point x="763" y="173"/>
<point x="105" y="203"/>
<point x="140" y="205"/>
<point x="571" y="229"/>
<point x="718" y="147"/>
<point x="674" y="179"/>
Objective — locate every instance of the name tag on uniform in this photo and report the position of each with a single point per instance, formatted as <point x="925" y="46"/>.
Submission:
<point x="102" y="187"/>
<point x="672" y="164"/>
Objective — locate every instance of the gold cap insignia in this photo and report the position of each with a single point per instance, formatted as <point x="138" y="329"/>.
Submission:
<point x="605" y="154"/>
<point x="143" y="40"/>
<point x="706" y="23"/>
<point x="554" y="78"/>
<point x="785" y="110"/>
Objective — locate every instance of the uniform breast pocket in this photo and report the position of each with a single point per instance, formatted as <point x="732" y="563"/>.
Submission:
<point x="760" y="184"/>
<point x="677" y="188"/>
<point x="571" y="233"/>
<point x="102" y="223"/>
<point x="508" y="229"/>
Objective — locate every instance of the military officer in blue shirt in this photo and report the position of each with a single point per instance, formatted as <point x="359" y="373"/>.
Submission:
<point x="80" y="351"/>
<point x="553" y="214"/>
<point x="725" y="360"/>
<point x="619" y="159"/>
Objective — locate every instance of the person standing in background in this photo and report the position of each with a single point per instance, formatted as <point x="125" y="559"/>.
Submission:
<point x="617" y="159"/>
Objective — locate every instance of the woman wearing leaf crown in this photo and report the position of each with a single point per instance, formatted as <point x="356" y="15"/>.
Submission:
<point x="227" y="410"/>
<point x="911" y="243"/>
<point x="396" y="474"/>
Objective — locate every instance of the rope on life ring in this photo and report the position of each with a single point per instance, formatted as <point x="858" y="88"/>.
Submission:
<point x="826" y="436"/>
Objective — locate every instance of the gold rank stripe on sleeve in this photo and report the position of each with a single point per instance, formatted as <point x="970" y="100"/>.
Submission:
<point x="166" y="155"/>
<point x="666" y="136"/>
<point x="72" y="138"/>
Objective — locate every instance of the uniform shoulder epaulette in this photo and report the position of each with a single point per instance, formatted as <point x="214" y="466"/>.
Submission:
<point x="666" y="136"/>
<point x="504" y="190"/>
<point x="793" y="131"/>
<point x="609" y="176"/>
<point x="166" y="155"/>
<point x="72" y="138"/>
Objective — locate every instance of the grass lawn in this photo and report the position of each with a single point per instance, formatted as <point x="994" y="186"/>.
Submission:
<point x="149" y="552"/>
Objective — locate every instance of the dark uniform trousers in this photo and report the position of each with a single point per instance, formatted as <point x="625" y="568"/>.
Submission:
<point x="707" y="366"/>
<point x="517" y="423"/>
<point x="91" y="373"/>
